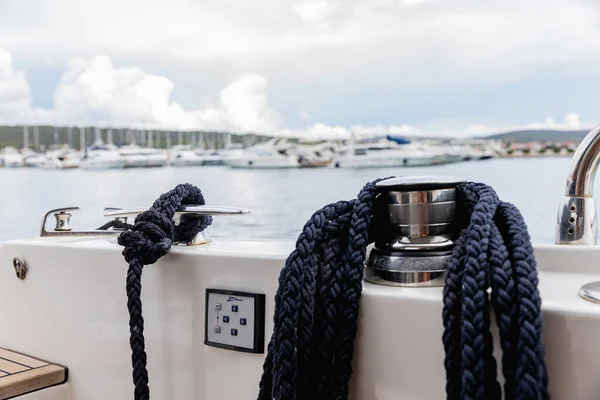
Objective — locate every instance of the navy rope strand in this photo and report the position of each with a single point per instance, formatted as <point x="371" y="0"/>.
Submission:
<point x="115" y="224"/>
<point x="316" y="305"/>
<point x="317" y="301"/>
<point x="150" y="238"/>
<point x="511" y="273"/>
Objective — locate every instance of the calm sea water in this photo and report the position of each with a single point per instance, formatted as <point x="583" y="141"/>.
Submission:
<point x="280" y="200"/>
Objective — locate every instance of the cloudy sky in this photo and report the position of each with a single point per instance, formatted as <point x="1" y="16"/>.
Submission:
<point x="406" y="66"/>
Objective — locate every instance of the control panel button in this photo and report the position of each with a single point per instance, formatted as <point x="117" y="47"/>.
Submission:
<point x="225" y="318"/>
<point x="234" y="332"/>
<point x="242" y="321"/>
<point x="217" y="329"/>
<point x="234" y="308"/>
<point x="217" y="306"/>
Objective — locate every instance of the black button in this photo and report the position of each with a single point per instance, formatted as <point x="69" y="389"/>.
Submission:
<point x="234" y="332"/>
<point x="242" y="321"/>
<point x="225" y="318"/>
<point x="234" y="308"/>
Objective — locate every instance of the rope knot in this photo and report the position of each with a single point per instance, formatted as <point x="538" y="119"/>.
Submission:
<point x="150" y="238"/>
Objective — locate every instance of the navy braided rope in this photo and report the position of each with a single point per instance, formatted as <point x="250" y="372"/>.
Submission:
<point x="317" y="303"/>
<point x="494" y="250"/>
<point x="318" y="321"/>
<point x="150" y="238"/>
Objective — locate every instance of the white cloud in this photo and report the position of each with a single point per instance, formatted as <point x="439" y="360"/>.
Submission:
<point x="15" y="98"/>
<point x="317" y="131"/>
<point x="571" y="121"/>
<point x="469" y="31"/>
<point x="415" y="2"/>
<point x="246" y="104"/>
<point x="393" y="130"/>
<point x="14" y="91"/>
<point x="94" y="91"/>
<point x="315" y="11"/>
<point x="306" y="48"/>
<point x="324" y="131"/>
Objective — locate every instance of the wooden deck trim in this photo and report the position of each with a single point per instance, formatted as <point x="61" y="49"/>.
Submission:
<point x="21" y="374"/>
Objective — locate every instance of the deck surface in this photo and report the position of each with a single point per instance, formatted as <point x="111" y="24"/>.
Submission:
<point x="20" y="374"/>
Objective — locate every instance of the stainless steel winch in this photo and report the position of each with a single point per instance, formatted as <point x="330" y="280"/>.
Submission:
<point x="416" y="226"/>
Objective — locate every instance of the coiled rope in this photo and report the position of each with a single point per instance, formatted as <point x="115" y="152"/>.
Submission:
<point x="317" y="301"/>
<point x="316" y="304"/>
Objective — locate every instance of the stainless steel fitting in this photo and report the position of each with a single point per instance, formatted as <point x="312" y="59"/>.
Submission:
<point x="416" y="227"/>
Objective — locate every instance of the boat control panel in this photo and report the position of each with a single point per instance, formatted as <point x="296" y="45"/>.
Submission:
<point x="235" y="320"/>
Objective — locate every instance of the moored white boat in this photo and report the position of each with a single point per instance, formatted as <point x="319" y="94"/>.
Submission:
<point x="186" y="156"/>
<point x="476" y="149"/>
<point x="11" y="158"/>
<point x="143" y="157"/>
<point x="276" y="153"/>
<point x="483" y="153"/>
<point x="231" y="150"/>
<point x="63" y="158"/>
<point x="101" y="157"/>
<point x="384" y="153"/>
<point x="444" y="154"/>
<point x="315" y="154"/>
<point x="31" y="159"/>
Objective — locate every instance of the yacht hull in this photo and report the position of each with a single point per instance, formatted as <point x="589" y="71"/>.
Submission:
<point x="141" y="161"/>
<point x="262" y="162"/>
<point x="71" y="309"/>
<point x="102" y="165"/>
<point x="12" y="161"/>
<point x="141" y="157"/>
<point x="191" y="159"/>
<point x="384" y="162"/>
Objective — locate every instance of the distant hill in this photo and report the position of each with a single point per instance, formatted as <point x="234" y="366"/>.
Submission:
<point x="542" y="135"/>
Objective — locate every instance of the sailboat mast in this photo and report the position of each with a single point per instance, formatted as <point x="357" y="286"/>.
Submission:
<point x="55" y="136"/>
<point x="36" y="138"/>
<point x="25" y="137"/>
<point x="81" y="138"/>
<point x="70" y="137"/>
<point x="97" y="135"/>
